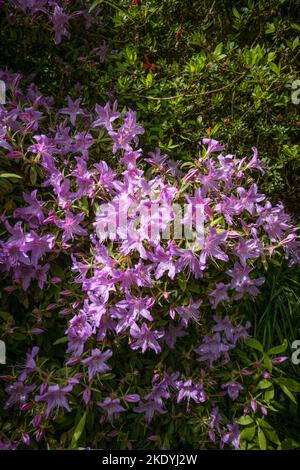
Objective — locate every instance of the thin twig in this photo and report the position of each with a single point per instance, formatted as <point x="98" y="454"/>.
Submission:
<point x="186" y="95"/>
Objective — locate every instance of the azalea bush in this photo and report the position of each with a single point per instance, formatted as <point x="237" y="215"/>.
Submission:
<point x="188" y="68"/>
<point x="131" y="335"/>
<point x="137" y="296"/>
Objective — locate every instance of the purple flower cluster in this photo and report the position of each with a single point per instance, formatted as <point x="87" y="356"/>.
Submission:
<point x="140" y="291"/>
<point x="55" y="13"/>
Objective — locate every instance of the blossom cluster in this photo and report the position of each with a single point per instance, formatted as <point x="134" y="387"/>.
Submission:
<point x="56" y="12"/>
<point x="141" y="292"/>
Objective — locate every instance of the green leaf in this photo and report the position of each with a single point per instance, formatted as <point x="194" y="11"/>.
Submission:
<point x="10" y="175"/>
<point x="291" y="384"/>
<point x="32" y="175"/>
<point x="254" y="344"/>
<point x="5" y="315"/>
<point x="274" y="68"/>
<point x="267" y="362"/>
<point x="236" y="13"/>
<point x="288" y="393"/>
<point x="248" y="433"/>
<point x="279" y="349"/>
<point x="289" y="444"/>
<point x="269" y="395"/>
<point x="95" y="4"/>
<point x="64" y="339"/>
<point x="269" y="432"/>
<point x="182" y="284"/>
<point x="244" y="420"/>
<point x="262" y="442"/>
<point x="78" y="431"/>
<point x="295" y="26"/>
<point x="270" y="28"/>
<point x="263" y="384"/>
<point x="295" y="43"/>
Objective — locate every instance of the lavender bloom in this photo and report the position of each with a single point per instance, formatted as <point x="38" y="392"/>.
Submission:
<point x="242" y="283"/>
<point x="84" y="179"/>
<point x="39" y="246"/>
<point x="132" y="398"/>
<point x="149" y="408"/>
<point x="255" y="162"/>
<point x="173" y="332"/>
<point x="55" y="398"/>
<point x="60" y="21"/>
<point x="279" y="360"/>
<point x="18" y="393"/>
<point x="215" y="419"/>
<point x="3" y="139"/>
<point x="213" y="145"/>
<point x="16" y="248"/>
<point x="161" y="390"/>
<point x="126" y="133"/>
<point x="83" y="141"/>
<point x="264" y="410"/>
<point x="164" y="260"/>
<point x="106" y="116"/>
<point x="226" y="326"/>
<point x="30" y="364"/>
<point x="233" y="389"/>
<point x="144" y="338"/>
<point x="214" y="425"/>
<point x="250" y="198"/>
<point x="229" y="207"/>
<point x="248" y="249"/>
<point x="31" y="118"/>
<point x="190" y="391"/>
<point x="191" y="312"/>
<point x="130" y="310"/>
<point x="46" y="148"/>
<point x="189" y="260"/>
<point x="106" y="176"/>
<point x="111" y="406"/>
<point x="87" y="396"/>
<point x="71" y="226"/>
<point x="199" y="200"/>
<point x="240" y="332"/>
<point x="138" y="306"/>
<point x="101" y="51"/>
<point x="232" y="436"/>
<point x="219" y="294"/>
<point x="210" y="180"/>
<point x="73" y="109"/>
<point x="129" y="158"/>
<point x="156" y="159"/>
<point x="97" y="362"/>
<point x="63" y="139"/>
<point x="232" y="333"/>
<point x="24" y="274"/>
<point x="33" y="214"/>
<point x="211" y="247"/>
<point x="33" y="5"/>
<point x="134" y="241"/>
<point x="212" y="349"/>
<point x="5" y="445"/>
<point x="78" y="332"/>
<point x="274" y="220"/>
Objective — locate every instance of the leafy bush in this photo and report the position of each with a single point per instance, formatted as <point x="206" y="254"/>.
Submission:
<point x="134" y="340"/>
